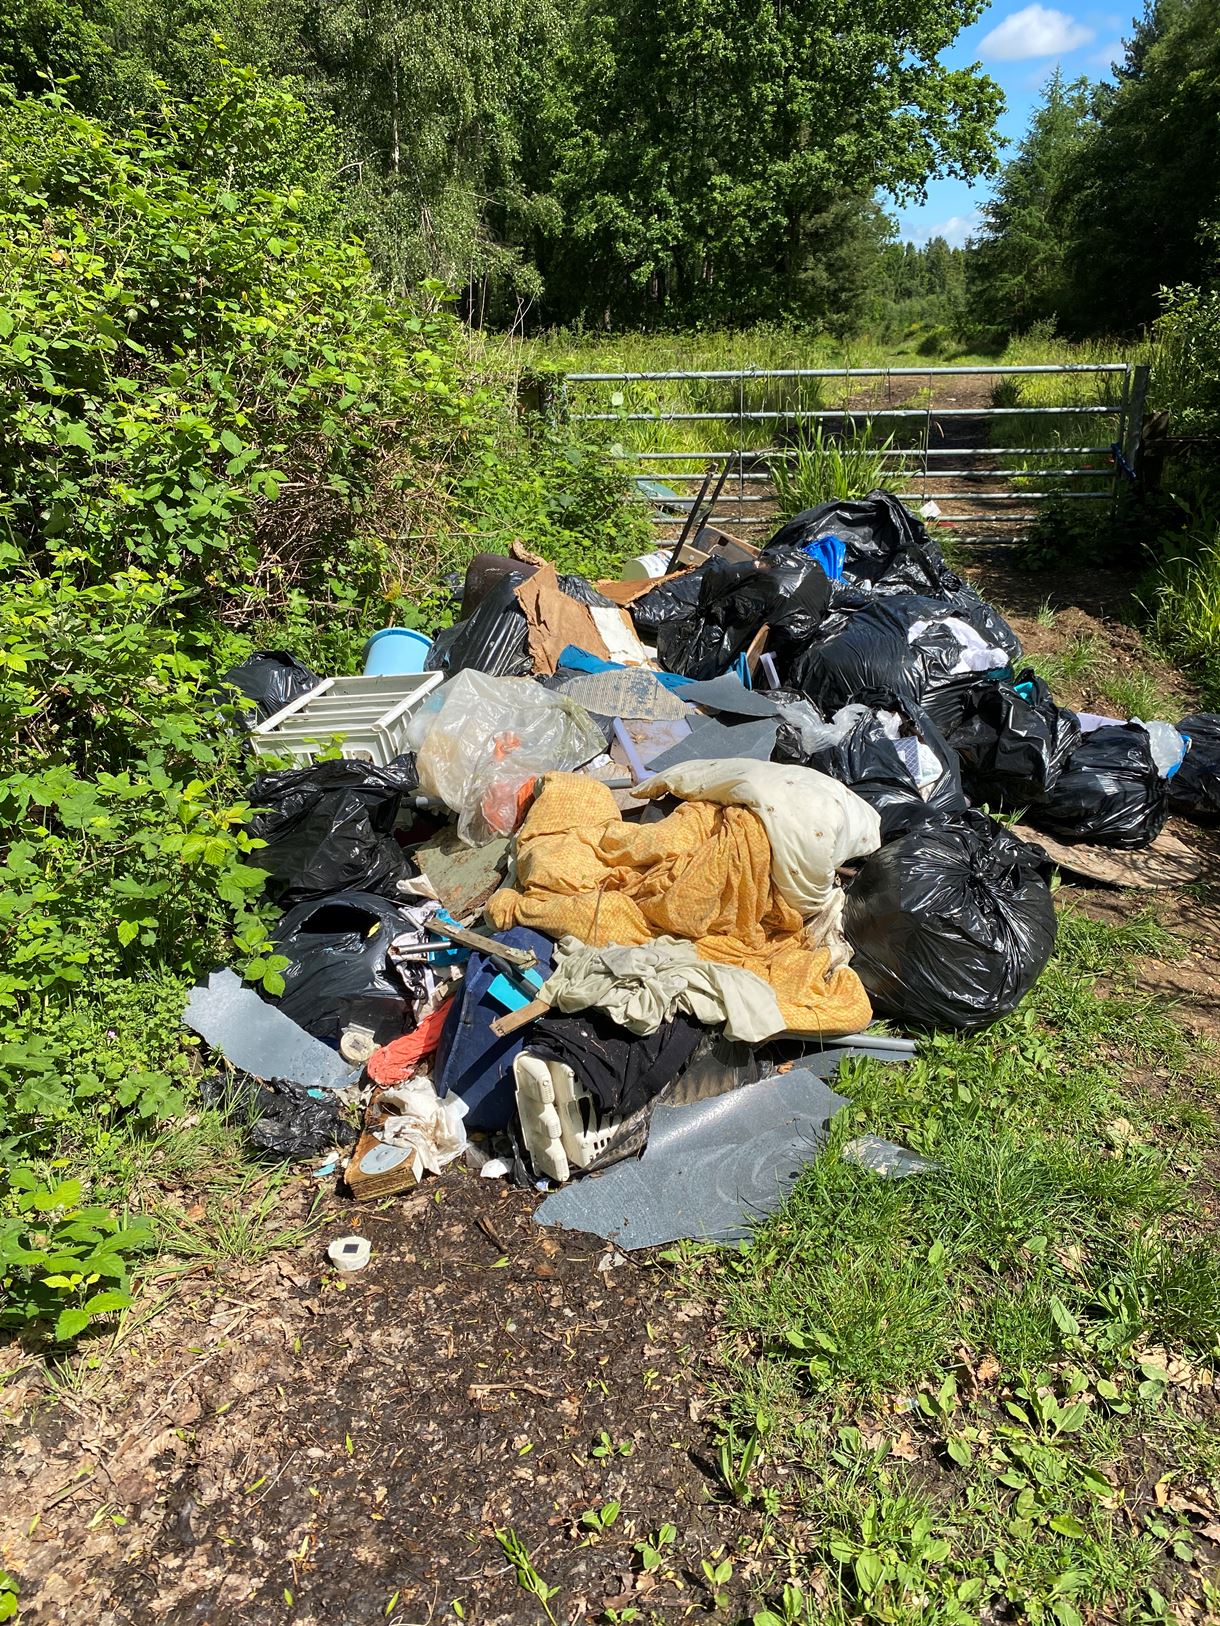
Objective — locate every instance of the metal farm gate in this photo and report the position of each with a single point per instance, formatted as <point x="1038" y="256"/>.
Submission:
<point x="1073" y="427"/>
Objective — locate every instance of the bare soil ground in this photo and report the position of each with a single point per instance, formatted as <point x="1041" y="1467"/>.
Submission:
<point x="275" y="1442"/>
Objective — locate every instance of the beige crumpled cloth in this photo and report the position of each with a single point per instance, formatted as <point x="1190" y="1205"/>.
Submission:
<point x="703" y="874"/>
<point x="642" y="987"/>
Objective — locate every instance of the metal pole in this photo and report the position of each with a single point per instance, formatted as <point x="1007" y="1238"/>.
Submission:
<point x="1135" y="424"/>
<point x="1122" y="440"/>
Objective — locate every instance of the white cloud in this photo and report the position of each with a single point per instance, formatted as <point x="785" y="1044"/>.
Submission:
<point x="955" y="230"/>
<point x="1034" y="31"/>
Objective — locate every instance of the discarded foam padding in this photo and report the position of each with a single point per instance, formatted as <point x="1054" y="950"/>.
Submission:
<point x="257" y="1038"/>
<point x="709" y="1170"/>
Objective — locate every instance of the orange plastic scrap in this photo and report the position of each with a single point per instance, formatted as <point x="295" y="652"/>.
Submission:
<point x="703" y="873"/>
<point x="397" y="1061"/>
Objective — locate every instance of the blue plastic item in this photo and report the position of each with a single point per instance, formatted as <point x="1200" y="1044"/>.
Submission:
<point x="575" y="659"/>
<point x="395" y="652"/>
<point x="830" y="552"/>
<point x="471" y="1061"/>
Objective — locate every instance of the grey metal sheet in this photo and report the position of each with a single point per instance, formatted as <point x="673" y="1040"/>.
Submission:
<point x="729" y="694"/>
<point x="710" y="1169"/>
<point x="712" y="741"/>
<point x="257" y="1038"/>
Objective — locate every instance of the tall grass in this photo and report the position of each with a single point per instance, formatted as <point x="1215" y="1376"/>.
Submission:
<point x="1184" y="603"/>
<point x="824" y="468"/>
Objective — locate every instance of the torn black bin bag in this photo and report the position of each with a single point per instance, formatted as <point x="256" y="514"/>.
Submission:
<point x="286" y="1119"/>
<point x="1109" y="794"/>
<point x="1194" y="791"/>
<point x="783" y="590"/>
<point x="674" y="598"/>
<point x="1012" y="739"/>
<point x="621" y="1070"/>
<point x="329" y="828"/>
<point x="951" y="924"/>
<point x="878" y="647"/>
<point x="794" y="710"/>
<point x="888" y="549"/>
<point x="338" y="972"/>
<point x="908" y="779"/>
<point x="494" y="638"/>
<point x="271" y="678"/>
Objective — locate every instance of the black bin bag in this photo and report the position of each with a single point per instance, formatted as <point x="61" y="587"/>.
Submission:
<point x="329" y="828"/>
<point x="1012" y="739"/>
<point x="781" y="589"/>
<point x="1194" y="791"/>
<point x="674" y="598"/>
<point x="271" y="678"/>
<point x="888" y="549"/>
<point x="878" y="647"/>
<point x="494" y="638"/>
<point x="339" y="972"/>
<point x="951" y="925"/>
<point x="889" y="752"/>
<point x="1109" y="794"/>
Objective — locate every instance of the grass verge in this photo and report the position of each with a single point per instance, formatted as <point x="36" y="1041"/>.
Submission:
<point x="986" y="1391"/>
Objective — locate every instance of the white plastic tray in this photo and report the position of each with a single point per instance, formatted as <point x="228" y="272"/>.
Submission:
<point x="368" y="716"/>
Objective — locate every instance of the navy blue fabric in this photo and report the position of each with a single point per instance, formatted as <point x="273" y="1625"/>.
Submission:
<point x="471" y="1061"/>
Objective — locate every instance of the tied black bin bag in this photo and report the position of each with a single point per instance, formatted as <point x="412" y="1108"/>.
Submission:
<point x="674" y="598"/>
<point x="1109" y="794"/>
<point x="911" y="646"/>
<point x="494" y="638"/>
<point x="1012" y="739"/>
<point x="951" y="925"/>
<point x="1194" y="791"/>
<point x="781" y="589"/>
<point x="888" y="547"/>
<point x="329" y="828"/>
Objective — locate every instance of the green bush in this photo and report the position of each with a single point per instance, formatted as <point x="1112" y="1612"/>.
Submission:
<point x="215" y="429"/>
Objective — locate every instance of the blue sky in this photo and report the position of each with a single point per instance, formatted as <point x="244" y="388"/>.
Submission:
<point x="1019" y="45"/>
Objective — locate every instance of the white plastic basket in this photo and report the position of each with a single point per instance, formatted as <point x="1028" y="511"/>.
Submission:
<point x="367" y="715"/>
<point x="560" y="1122"/>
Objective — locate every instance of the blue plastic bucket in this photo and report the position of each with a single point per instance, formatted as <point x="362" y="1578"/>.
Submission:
<point x="395" y="651"/>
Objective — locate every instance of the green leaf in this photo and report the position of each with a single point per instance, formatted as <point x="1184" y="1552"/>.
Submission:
<point x="104" y="1303"/>
<point x="870" y="1571"/>
<point x="1065" y="1525"/>
<point x="71" y="1324"/>
<point x="231" y="442"/>
<point x="960" y="1451"/>
<point x="127" y="931"/>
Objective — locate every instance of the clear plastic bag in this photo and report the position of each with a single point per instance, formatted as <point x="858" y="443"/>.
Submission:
<point x="480" y="741"/>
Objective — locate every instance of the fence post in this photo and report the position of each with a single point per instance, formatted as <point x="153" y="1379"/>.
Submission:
<point x="1135" y="417"/>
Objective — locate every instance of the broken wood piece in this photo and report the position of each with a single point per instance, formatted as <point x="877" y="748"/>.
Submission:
<point x="1168" y="861"/>
<point x="504" y="1025"/>
<point x="523" y="959"/>
<point x="755" y="648"/>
